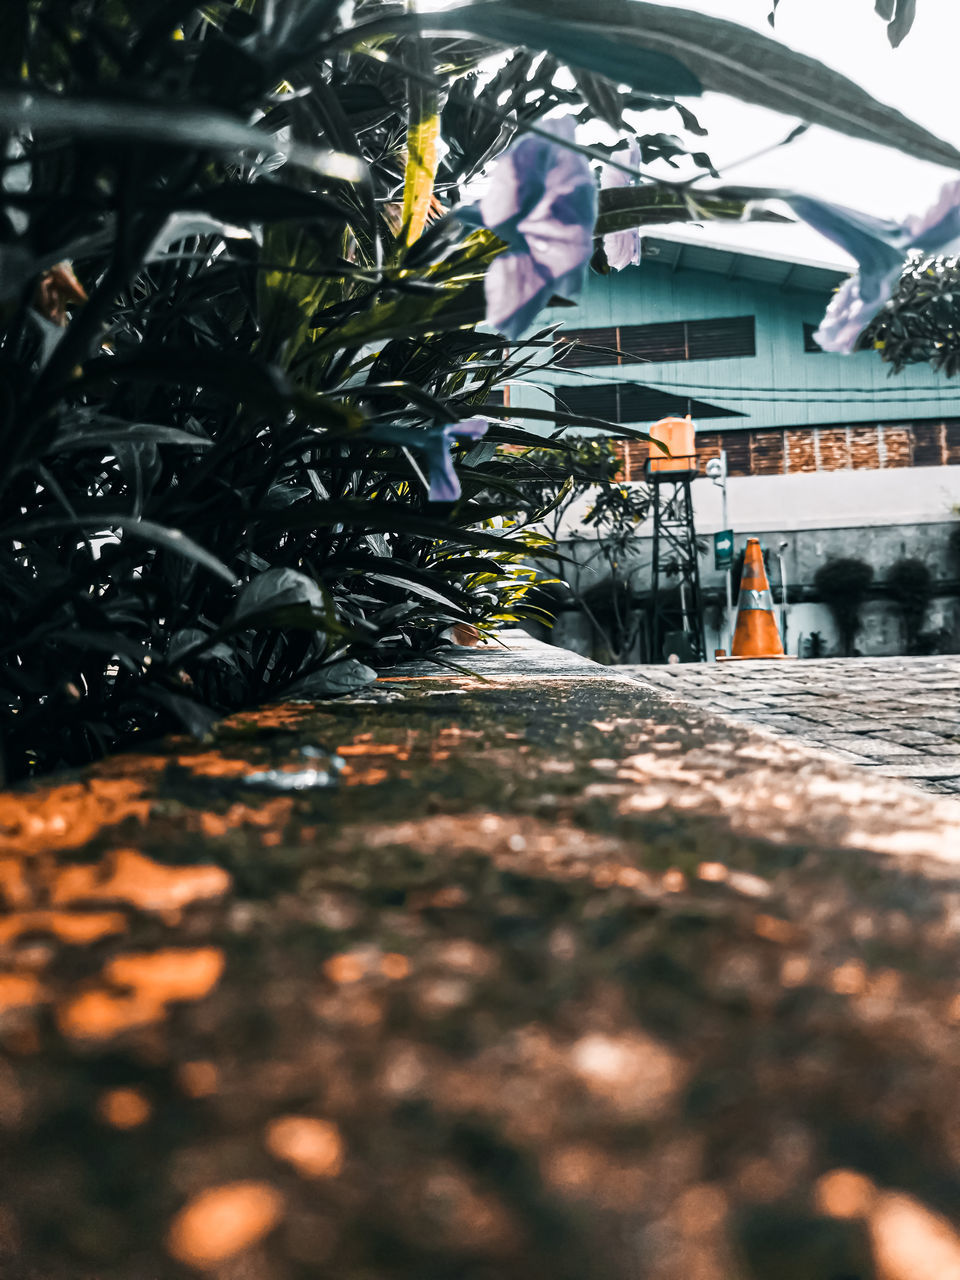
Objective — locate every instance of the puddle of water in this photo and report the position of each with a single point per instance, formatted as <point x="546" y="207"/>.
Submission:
<point x="325" y="773"/>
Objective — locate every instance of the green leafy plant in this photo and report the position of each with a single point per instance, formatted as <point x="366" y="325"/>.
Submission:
<point x="588" y="510"/>
<point x="921" y="323"/>
<point x="198" y="505"/>
<point x="843" y="585"/>
<point x="910" y="583"/>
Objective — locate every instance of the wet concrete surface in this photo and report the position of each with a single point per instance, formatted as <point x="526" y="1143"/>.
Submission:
<point x="542" y="974"/>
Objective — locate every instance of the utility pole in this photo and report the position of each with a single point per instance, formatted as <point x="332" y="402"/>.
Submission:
<point x="783" y="595"/>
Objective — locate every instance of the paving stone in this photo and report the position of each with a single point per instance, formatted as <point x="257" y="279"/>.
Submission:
<point x="898" y="714"/>
<point x="860" y="725"/>
<point x="913" y="737"/>
<point x="919" y="769"/>
<point x="866" y="745"/>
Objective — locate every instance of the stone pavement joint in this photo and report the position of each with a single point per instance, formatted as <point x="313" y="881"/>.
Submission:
<point x="896" y="716"/>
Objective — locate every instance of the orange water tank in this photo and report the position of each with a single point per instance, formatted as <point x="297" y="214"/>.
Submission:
<point x="678" y="436"/>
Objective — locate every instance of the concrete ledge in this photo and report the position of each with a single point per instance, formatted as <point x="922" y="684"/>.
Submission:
<point x="539" y="974"/>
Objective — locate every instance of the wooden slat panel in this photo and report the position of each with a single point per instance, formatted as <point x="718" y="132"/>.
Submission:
<point x="619" y="448"/>
<point x="737" y="445"/>
<point x="864" y="448"/>
<point x="637" y="453"/>
<point x="801" y="451"/>
<point x="833" y="449"/>
<point x="897" y="447"/>
<point x="708" y="446"/>
<point x="928" y="444"/>
<point x="766" y="453"/>
<point x="952" y="434"/>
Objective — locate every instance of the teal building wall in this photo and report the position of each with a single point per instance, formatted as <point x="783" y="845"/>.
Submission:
<point x="781" y="386"/>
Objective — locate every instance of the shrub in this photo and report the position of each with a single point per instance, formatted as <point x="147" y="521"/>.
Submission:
<point x="910" y="583"/>
<point x="842" y="585"/>
<point x="204" y="501"/>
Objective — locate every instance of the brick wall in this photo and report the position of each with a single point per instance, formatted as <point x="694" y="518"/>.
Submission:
<point x="867" y="446"/>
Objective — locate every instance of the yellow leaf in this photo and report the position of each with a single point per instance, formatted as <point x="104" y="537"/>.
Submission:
<point x="423" y="135"/>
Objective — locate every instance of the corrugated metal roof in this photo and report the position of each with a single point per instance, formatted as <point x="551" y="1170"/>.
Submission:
<point x="789" y="273"/>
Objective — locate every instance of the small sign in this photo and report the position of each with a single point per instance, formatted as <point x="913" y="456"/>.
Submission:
<point x="723" y="549"/>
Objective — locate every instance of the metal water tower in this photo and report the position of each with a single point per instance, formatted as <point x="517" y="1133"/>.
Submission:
<point x="674" y="629"/>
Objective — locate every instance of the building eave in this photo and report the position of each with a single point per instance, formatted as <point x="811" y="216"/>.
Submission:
<point x="786" y="271"/>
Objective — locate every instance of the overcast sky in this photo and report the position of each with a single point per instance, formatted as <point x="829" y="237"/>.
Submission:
<point x="920" y="79"/>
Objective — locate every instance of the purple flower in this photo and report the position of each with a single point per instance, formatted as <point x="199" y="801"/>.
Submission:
<point x="434" y="444"/>
<point x="542" y="202"/>
<point x="622" y="248"/>
<point x="881" y="248"/>
<point x="444" y="481"/>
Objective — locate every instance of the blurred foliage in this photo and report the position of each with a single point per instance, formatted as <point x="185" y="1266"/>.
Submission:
<point x="597" y="515"/>
<point x="921" y="323"/>
<point x="843" y="584"/>
<point x="910" y="583"/>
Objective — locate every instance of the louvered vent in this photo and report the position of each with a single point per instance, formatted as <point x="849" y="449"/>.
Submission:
<point x="721" y="339"/>
<point x="717" y="339"/>
<point x="632" y="402"/>
<point x="580" y="348"/>
<point x="655" y="341"/>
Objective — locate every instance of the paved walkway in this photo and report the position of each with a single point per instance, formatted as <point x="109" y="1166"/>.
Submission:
<point x="894" y="716"/>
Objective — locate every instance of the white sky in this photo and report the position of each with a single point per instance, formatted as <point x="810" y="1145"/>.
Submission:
<point x="920" y="79"/>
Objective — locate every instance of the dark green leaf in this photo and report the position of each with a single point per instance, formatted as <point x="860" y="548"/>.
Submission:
<point x="902" y="21"/>
<point x="335" y="680"/>
<point x="136" y="122"/>
<point x="382" y="517"/>
<point x="261" y="202"/>
<point x="233" y="376"/>
<point x="146" y="530"/>
<point x="277" y="594"/>
<point x="580" y="43"/>
<point x="623" y="207"/>
<point x="197" y="719"/>
<point x="102" y="433"/>
<point x="625" y="39"/>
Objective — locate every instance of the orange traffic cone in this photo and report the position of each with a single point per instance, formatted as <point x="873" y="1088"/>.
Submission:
<point x="756" y="634"/>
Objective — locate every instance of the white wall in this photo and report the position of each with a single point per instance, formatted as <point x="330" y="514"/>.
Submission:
<point x="818" y="500"/>
<point x="830" y="499"/>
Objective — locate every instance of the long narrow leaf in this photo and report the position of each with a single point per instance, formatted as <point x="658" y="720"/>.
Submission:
<point x="135" y="122"/>
<point x="159" y="535"/>
<point x="623" y="207"/>
<point x="627" y="39"/>
<point x="104" y="433"/>
<point x="423" y="137"/>
<point x="382" y="518"/>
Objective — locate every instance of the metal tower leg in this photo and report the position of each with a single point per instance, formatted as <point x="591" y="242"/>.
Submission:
<point x="675" y="551"/>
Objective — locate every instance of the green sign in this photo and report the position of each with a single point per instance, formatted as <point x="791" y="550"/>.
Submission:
<point x="723" y="549"/>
